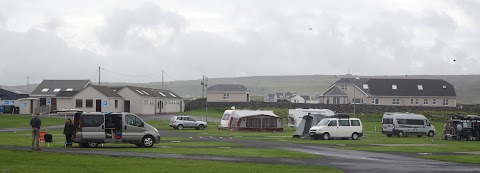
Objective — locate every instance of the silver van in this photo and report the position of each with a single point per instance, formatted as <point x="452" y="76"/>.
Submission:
<point x="96" y="128"/>
<point x="403" y="124"/>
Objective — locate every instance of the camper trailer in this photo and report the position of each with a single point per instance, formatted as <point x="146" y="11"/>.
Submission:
<point x="295" y="116"/>
<point x="403" y="124"/>
<point x="253" y="120"/>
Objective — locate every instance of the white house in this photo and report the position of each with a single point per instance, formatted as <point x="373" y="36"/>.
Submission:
<point x="141" y="100"/>
<point x="93" y="98"/>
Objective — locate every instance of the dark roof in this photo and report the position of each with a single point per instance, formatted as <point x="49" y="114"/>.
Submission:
<point x="227" y="87"/>
<point x="405" y="87"/>
<point x="106" y="91"/>
<point x="66" y="93"/>
<point x="306" y="97"/>
<point x="150" y="92"/>
<point x="76" y="85"/>
<point x="9" y="95"/>
<point x="409" y="87"/>
<point x="335" y="92"/>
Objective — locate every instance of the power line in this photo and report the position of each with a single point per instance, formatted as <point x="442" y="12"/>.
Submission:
<point x="131" y="75"/>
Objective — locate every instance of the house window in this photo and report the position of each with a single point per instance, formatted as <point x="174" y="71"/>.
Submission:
<point x="116" y="103"/>
<point x="357" y="101"/>
<point x="344" y="100"/>
<point x="89" y="103"/>
<point x="375" y="101"/>
<point x="394" y="87"/>
<point x="444" y="87"/>
<point x="414" y="101"/>
<point x="161" y="94"/>
<point x="336" y="100"/>
<point x="434" y="102"/>
<point x="425" y="101"/>
<point x="420" y="87"/>
<point x="226" y="96"/>
<point x="69" y="89"/>
<point x="344" y="87"/>
<point x="45" y="90"/>
<point x="172" y="95"/>
<point x="445" y="102"/>
<point x="396" y="102"/>
<point x="56" y="90"/>
<point x="365" y="86"/>
<point x="79" y="103"/>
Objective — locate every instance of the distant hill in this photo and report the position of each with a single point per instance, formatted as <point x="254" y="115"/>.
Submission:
<point x="466" y="86"/>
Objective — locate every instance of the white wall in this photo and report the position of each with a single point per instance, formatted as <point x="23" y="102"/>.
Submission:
<point x="90" y="93"/>
<point x="297" y="99"/>
<point x="136" y="101"/>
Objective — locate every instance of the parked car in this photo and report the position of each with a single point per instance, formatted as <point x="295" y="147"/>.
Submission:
<point x="403" y="124"/>
<point x="180" y="122"/>
<point x="97" y="128"/>
<point x="341" y="127"/>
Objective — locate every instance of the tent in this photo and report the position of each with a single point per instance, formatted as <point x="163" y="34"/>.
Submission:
<point x="307" y="122"/>
<point x="252" y="120"/>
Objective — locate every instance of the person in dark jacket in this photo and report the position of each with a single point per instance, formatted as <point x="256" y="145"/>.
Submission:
<point x="35" y="122"/>
<point x="68" y="131"/>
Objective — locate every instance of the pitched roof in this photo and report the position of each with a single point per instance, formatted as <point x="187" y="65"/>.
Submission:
<point x="410" y="87"/>
<point x="306" y="97"/>
<point x="335" y="92"/>
<point x="150" y="92"/>
<point x="49" y="86"/>
<point x="227" y="87"/>
<point x="9" y="95"/>
<point x="405" y="87"/>
<point x="106" y="91"/>
<point x="66" y="93"/>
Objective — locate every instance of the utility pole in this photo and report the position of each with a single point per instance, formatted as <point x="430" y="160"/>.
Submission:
<point x="28" y="82"/>
<point x="206" y="102"/>
<point x="98" y="76"/>
<point x="162" y="79"/>
<point x="203" y="86"/>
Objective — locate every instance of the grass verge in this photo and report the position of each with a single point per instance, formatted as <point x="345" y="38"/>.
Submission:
<point x="24" y="161"/>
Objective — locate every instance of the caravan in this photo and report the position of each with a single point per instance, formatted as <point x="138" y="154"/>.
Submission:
<point x="295" y="116"/>
<point x="403" y="124"/>
<point x="254" y="120"/>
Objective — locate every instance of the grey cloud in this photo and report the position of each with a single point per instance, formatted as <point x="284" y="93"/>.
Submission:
<point x="147" y="16"/>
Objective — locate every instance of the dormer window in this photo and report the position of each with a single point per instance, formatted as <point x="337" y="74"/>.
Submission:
<point x="420" y="87"/>
<point x="394" y="87"/>
<point x="161" y="94"/>
<point x="365" y="86"/>
<point x="444" y="87"/>
<point x="45" y="90"/>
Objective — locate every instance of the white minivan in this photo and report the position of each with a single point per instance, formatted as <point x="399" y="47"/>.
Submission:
<point x="330" y="128"/>
<point x="403" y="124"/>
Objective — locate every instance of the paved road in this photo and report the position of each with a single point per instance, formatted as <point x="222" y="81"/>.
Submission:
<point x="349" y="160"/>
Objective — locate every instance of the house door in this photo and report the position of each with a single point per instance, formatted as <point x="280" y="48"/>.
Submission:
<point x="54" y="104"/>
<point x="31" y="106"/>
<point x="126" y="105"/>
<point x="98" y="106"/>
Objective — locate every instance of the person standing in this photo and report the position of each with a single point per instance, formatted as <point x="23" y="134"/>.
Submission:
<point x="35" y="122"/>
<point x="459" y="131"/>
<point x="68" y="131"/>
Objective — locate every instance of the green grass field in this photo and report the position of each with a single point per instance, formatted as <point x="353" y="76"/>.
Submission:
<point x="14" y="121"/>
<point x="26" y="161"/>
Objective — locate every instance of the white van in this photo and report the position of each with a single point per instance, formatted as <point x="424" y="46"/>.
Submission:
<point x="330" y="128"/>
<point x="295" y="116"/>
<point x="403" y="124"/>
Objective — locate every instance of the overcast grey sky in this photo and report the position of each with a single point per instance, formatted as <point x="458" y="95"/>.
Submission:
<point x="190" y="38"/>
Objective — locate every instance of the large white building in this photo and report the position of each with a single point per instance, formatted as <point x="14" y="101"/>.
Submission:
<point x="52" y="95"/>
